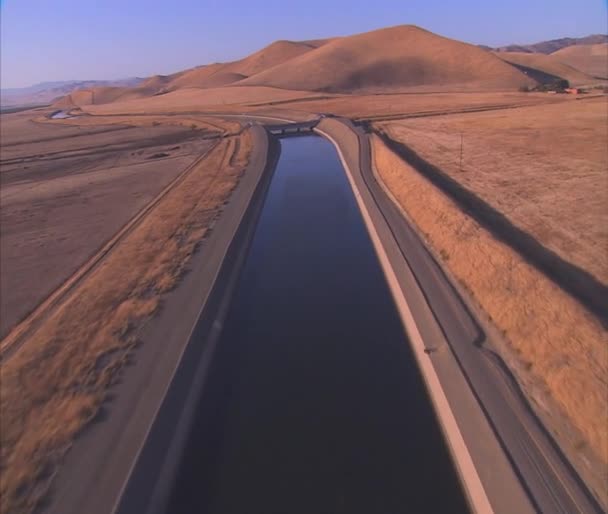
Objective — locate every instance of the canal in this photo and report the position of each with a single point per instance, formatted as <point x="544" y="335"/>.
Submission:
<point x="314" y="402"/>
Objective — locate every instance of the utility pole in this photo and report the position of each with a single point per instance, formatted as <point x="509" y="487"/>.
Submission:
<point x="461" y="141"/>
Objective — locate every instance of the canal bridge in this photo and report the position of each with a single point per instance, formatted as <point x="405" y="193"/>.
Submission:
<point x="292" y="129"/>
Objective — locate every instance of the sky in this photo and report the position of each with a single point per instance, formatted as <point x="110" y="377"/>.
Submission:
<point x="48" y="40"/>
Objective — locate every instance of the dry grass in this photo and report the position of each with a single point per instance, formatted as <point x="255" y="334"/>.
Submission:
<point x="55" y="384"/>
<point x="65" y="190"/>
<point x="19" y="128"/>
<point x="548" y="64"/>
<point x="396" y="57"/>
<point x="194" y="99"/>
<point x="218" y="74"/>
<point x="414" y="104"/>
<point x="214" y="75"/>
<point x="551" y="342"/>
<point x="590" y="59"/>
<point x="212" y="125"/>
<point x="544" y="167"/>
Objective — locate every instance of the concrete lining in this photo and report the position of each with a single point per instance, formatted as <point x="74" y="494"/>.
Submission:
<point x="474" y="489"/>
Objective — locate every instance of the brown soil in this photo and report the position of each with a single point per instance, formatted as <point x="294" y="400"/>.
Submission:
<point x="55" y="384"/>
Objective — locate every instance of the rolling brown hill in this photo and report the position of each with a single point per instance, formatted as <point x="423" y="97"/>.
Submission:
<point x="221" y="74"/>
<point x="590" y="59"/>
<point x="553" y="45"/>
<point x="207" y="76"/>
<point x="195" y="77"/>
<point x="47" y="92"/>
<point x="100" y="95"/>
<point x="549" y="66"/>
<point x="272" y="55"/>
<point x="392" y="58"/>
<point x="104" y="95"/>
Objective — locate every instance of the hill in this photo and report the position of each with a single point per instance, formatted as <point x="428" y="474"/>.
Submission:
<point x="270" y="56"/>
<point x="207" y="76"/>
<point x="590" y="59"/>
<point x="553" y="45"/>
<point x="221" y="74"/>
<point x="46" y="92"/>
<point x="545" y="68"/>
<point x="392" y="58"/>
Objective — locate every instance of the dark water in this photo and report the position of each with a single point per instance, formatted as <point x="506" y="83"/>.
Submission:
<point x="59" y="115"/>
<point x="314" y="403"/>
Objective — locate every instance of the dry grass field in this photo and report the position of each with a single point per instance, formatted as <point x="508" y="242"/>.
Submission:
<point x="66" y="190"/>
<point x="194" y="99"/>
<point x="211" y="127"/>
<point x="545" y="168"/>
<point x="53" y="386"/>
<point x="20" y="128"/>
<point x="406" y="105"/>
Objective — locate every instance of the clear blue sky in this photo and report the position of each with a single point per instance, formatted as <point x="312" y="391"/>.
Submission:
<point x="106" y="39"/>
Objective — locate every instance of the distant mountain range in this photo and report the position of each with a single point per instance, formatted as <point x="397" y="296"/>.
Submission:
<point x="553" y="45"/>
<point x="47" y="92"/>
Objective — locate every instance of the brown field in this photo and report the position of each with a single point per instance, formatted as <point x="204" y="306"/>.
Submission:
<point x="403" y="105"/>
<point x="521" y="162"/>
<point x="53" y="386"/>
<point x="194" y="99"/>
<point x="63" y="196"/>
<point x="211" y="127"/>
<point x="19" y="128"/>
<point x="545" y="168"/>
